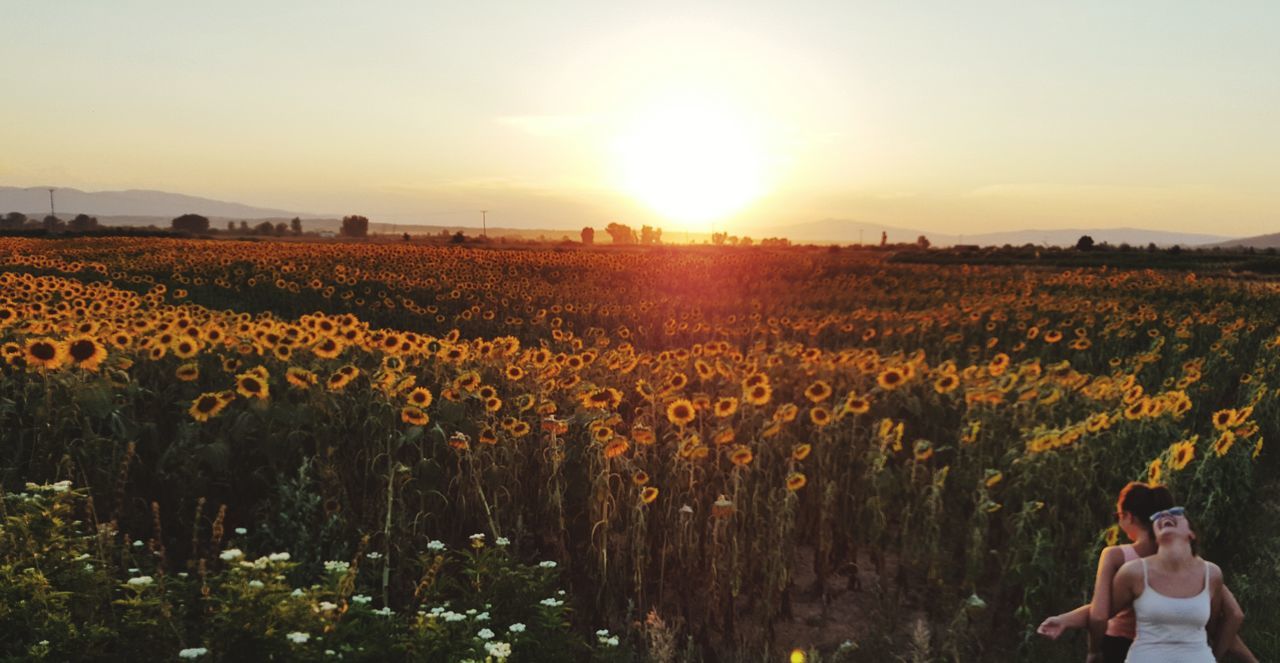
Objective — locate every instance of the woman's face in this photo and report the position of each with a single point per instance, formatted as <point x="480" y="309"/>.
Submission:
<point x="1168" y="527"/>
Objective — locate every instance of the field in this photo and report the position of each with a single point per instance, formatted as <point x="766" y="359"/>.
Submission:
<point x="715" y="454"/>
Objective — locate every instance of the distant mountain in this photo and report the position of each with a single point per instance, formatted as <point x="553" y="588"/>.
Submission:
<point x="1257" y="242"/>
<point x="846" y="231"/>
<point x="132" y="203"/>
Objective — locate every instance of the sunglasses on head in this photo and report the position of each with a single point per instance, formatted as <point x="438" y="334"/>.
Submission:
<point x="1175" y="512"/>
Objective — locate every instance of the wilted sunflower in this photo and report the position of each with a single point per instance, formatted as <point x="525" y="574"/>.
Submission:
<point x="207" y="405"/>
<point x="413" y="416"/>
<point x="741" y="456"/>
<point x="648" y="495"/>
<point x="992" y="477"/>
<point x="44" y="353"/>
<point x="643" y="434"/>
<point x="855" y="404"/>
<point x="922" y="450"/>
<point x="616" y="447"/>
<point x="796" y="481"/>
<point x="640" y="478"/>
<point x="801" y="452"/>
<point x="681" y="412"/>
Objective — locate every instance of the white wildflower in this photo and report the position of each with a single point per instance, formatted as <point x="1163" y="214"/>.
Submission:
<point x="498" y="650"/>
<point x="242" y="531"/>
<point x="484" y="634"/>
<point x="256" y="584"/>
<point x="230" y="555"/>
<point x="298" y="637"/>
<point x="361" y="599"/>
<point x="374" y="555"/>
<point x="547" y="564"/>
<point x="435" y="546"/>
<point x="502" y="541"/>
<point x="327" y="606"/>
<point x="516" y="628"/>
<point x="279" y="557"/>
<point x="193" y="652"/>
<point x="334" y="566"/>
<point x="140" y="581"/>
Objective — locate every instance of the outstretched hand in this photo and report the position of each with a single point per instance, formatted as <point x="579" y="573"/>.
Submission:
<point x="1052" y="627"/>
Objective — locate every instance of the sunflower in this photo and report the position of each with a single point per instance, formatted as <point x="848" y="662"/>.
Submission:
<point x="460" y="441"/>
<point x="1112" y="535"/>
<point x="724" y="436"/>
<point x="339" y="380"/>
<point x="725" y="406"/>
<point x="188" y="372"/>
<point x="1052" y="336"/>
<point x="890" y="378"/>
<point x="514" y="373"/>
<point x="616" y="447"/>
<point x="420" y="397"/>
<point x="1224" y="442"/>
<point x="251" y="385"/>
<point x="946" y="384"/>
<point x="818" y="391"/>
<point x="1155" y="471"/>
<point x="85" y="352"/>
<point x="759" y="394"/>
<point x="801" y="452"/>
<point x="922" y="450"/>
<point x="796" y="481"/>
<point x="640" y="478"/>
<point x="855" y="404"/>
<point x="992" y="477"/>
<point x="207" y="405"/>
<point x="328" y="348"/>
<point x="300" y="378"/>
<point x="1182" y="453"/>
<point x="413" y="416"/>
<point x="681" y="412"/>
<point x="643" y="434"/>
<point x="1257" y="449"/>
<point x="186" y="348"/>
<point x="648" y="495"/>
<point x="820" y="416"/>
<point x="602" y="398"/>
<point x="44" y="353"/>
<point x="487" y="436"/>
<point x="741" y="456"/>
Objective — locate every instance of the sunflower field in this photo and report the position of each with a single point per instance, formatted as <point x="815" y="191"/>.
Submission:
<point x="552" y="454"/>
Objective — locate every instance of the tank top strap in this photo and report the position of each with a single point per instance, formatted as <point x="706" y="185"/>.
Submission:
<point x="1145" y="584"/>
<point x="1206" y="578"/>
<point x="1130" y="553"/>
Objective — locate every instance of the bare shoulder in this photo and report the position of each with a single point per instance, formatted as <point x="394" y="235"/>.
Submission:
<point x="1130" y="570"/>
<point x="1215" y="573"/>
<point x="1112" y="556"/>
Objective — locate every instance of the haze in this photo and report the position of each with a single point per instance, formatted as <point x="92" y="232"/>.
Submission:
<point x="951" y="117"/>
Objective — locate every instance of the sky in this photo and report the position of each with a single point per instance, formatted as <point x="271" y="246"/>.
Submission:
<point x="955" y="117"/>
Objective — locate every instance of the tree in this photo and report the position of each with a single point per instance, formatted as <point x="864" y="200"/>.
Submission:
<point x="231" y="226"/>
<point x="83" y="222"/>
<point x="405" y="237"/>
<point x="296" y="225"/>
<point x="588" y="235"/>
<point x="458" y="238"/>
<point x="191" y="223"/>
<point x="884" y="238"/>
<point x="244" y="227"/>
<point x="719" y="238"/>
<point x="745" y="241"/>
<point x="282" y="228"/>
<point x="53" y="223"/>
<point x="620" y="233"/>
<point x="922" y="242"/>
<point x="354" y="226"/>
<point x="13" y="220"/>
<point x="648" y="235"/>
<point x="1085" y="243"/>
<point x="264" y="228"/>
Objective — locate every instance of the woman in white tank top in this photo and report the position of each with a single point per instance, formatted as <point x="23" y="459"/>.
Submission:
<point x="1174" y="594"/>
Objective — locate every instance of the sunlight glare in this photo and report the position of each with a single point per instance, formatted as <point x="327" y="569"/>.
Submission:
<point x="692" y="161"/>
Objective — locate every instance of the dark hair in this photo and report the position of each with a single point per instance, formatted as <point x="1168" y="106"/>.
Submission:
<point x="1141" y="500"/>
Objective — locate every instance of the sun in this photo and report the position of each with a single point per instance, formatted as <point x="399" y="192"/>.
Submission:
<point x="692" y="161"/>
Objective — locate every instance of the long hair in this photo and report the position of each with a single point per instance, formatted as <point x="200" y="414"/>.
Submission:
<point x="1141" y="500"/>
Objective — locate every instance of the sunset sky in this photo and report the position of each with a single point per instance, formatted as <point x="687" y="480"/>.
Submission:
<point x="944" y="116"/>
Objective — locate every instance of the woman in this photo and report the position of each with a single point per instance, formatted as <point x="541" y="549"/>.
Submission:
<point x="1174" y="594"/>
<point x="1109" y="639"/>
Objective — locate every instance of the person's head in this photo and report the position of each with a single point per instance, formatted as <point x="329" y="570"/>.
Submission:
<point x="1136" y="503"/>
<point x="1171" y="525"/>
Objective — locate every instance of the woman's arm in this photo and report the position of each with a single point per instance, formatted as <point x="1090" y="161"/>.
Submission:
<point x="1231" y="608"/>
<point x="1053" y="627"/>
<point x="1100" y="607"/>
<point x="1229" y="620"/>
<point x="1123" y="588"/>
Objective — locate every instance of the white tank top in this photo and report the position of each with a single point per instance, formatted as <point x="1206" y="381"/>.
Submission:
<point x="1171" y="629"/>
